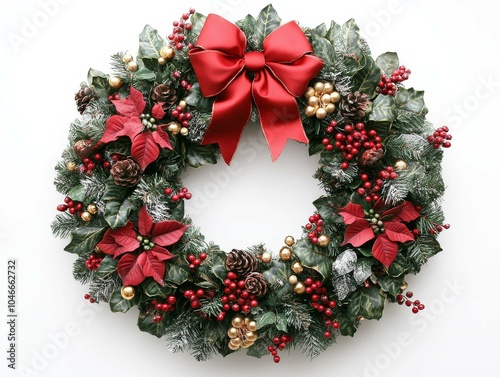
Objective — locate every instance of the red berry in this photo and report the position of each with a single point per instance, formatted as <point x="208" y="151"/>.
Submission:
<point x="276" y="359"/>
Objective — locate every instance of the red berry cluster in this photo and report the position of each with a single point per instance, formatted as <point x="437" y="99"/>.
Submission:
<point x="194" y="261"/>
<point x="87" y="297"/>
<point x="319" y="297"/>
<point x="440" y="138"/>
<point x="176" y="196"/>
<point x="93" y="262"/>
<point x="74" y="207"/>
<point x="439" y="228"/>
<point x="333" y="324"/>
<point x="90" y="163"/>
<point x="182" y="116"/>
<point x="371" y="187"/>
<point x="351" y="140"/>
<point x="279" y="343"/>
<point x="417" y="305"/>
<point x="178" y="39"/>
<point x="114" y="97"/>
<point x="158" y="307"/>
<point x="236" y="297"/>
<point x="387" y="84"/>
<point x="195" y="296"/>
<point x="315" y="227"/>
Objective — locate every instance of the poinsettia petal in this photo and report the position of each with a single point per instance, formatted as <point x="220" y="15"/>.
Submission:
<point x="352" y="212"/>
<point x="358" y="233"/>
<point x="144" y="149"/>
<point x="384" y="250"/>
<point x="152" y="267"/>
<point x="161" y="253"/>
<point x="108" y="244"/>
<point x="157" y="111"/>
<point x="161" y="137"/>
<point x="130" y="270"/>
<point x="145" y="222"/>
<point x="119" y="241"/>
<point x="115" y="127"/>
<point x="408" y="212"/>
<point x="398" y="232"/>
<point x="167" y="232"/>
<point x="133" y="105"/>
<point x="133" y="127"/>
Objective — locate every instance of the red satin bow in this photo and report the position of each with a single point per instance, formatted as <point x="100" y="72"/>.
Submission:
<point x="281" y="72"/>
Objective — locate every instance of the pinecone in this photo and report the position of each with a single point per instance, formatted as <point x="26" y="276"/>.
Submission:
<point x="256" y="284"/>
<point x="353" y="106"/>
<point x="164" y="93"/>
<point x="83" y="148"/>
<point x="126" y="173"/>
<point x="241" y="262"/>
<point x="370" y="157"/>
<point x="83" y="97"/>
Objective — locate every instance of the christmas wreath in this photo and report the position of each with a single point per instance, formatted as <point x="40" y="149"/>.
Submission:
<point x="182" y="102"/>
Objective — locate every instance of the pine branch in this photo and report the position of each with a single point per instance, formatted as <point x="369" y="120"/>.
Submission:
<point x="118" y="66"/>
<point x="312" y="341"/>
<point x="396" y="190"/>
<point x="180" y="334"/>
<point x="420" y="251"/>
<point x="63" y="224"/>
<point x="80" y="271"/>
<point x="65" y="180"/>
<point x="211" y="307"/>
<point x="298" y="315"/>
<point x="407" y="147"/>
<point x="150" y="191"/>
<point x="95" y="184"/>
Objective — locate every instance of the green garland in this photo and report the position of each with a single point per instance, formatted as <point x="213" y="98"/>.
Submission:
<point x="379" y="164"/>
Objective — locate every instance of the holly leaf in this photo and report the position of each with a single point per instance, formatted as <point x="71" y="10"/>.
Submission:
<point x="398" y="267"/>
<point x="117" y="213"/>
<point x="150" y="43"/>
<point x="281" y="322"/>
<point x="347" y="38"/>
<point x="153" y="289"/>
<point x="167" y="232"/>
<point x="77" y="193"/>
<point x="351" y="212"/>
<point x="120" y="305"/>
<point x="411" y="100"/>
<point x="323" y="49"/>
<point x="358" y="233"/>
<point x="384" y="250"/>
<point x="265" y="319"/>
<point x="199" y="155"/>
<point x="397" y="232"/>
<point x="113" y="192"/>
<point x="383" y="109"/>
<point x="144" y="149"/>
<point x="146" y="324"/>
<point x="133" y="105"/>
<point x="177" y="271"/>
<point x="84" y="239"/>
<point x="312" y="256"/>
<point x="368" y="77"/>
<point x="119" y="241"/>
<point x="391" y="285"/>
<point x="388" y="62"/>
<point x="324" y="207"/>
<point x="267" y="21"/>
<point x="107" y="268"/>
<point x="366" y="302"/>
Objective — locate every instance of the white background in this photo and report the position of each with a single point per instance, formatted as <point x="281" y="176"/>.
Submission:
<point x="452" y="49"/>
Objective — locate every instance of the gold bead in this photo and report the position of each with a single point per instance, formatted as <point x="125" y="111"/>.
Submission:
<point x="323" y="240"/>
<point x="310" y="111"/>
<point x="325" y="98"/>
<point x="285" y="253"/>
<point x="400" y="165"/>
<point x="97" y="249"/>
<point x="319" y="87"/>
<point x="183" y="104"/>
<point x="292" y="279"/>
<point x="310" y="92"/>
<point x="252" y="326"/>
<point x="92" y="209"/>
<point x="299" y="288"/>
<point x="128" y="292"/>
<point x="404" y="285"/>
<point x="313" y="101"/>
<point x="236" y="341"/>
<point x="115" y="82"/>
<point x="71" y="166"/>
<point x="233" y="347"/>
<point x="174" y="127"/>
<point x="132" y="66"/>
<point x="330" y="108"/>
<point x="335" y="97"/>
<point x="184" y="131"/>
<point x="297" y="267"/>
<point x="329" y="88"/>
<point x="167" y="53"/>
<point x="127" y="58"/>
<point x="86" y="216"/>
<point x="251" y="336"/>
<point x="321" y="113"/>
<point x="361" y="318"/>
<point x="267" y="257"/>
<point x="237" y="321"/>
<point x="161" y="61"/>
<point x="289" y="240"/>
<point x="232" y="332"/>
<point x="246" y="344"/>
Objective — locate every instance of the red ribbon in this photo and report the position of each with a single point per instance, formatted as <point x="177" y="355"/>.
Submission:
<point x="280" y="73"/>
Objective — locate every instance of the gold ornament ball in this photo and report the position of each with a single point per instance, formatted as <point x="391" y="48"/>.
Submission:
<point x="132" y="66"/>
<point x="232" y="346"/>
<point x="319" y="87"/>
<point x="237" y="321"/>
<point x="183" y="104"/>
<point x="252" y="326"/>
<point x="329" y="88"/>
<point x="174" y="127"/>
<point x="323" y="240"/>
<point x="232" y="332"/>
<point x="404" y="286"/>
<point x="400" y="165"/>
<point x="92" y="209"/>
<point x="285" y="253"/>
<point x="184" y="131"/>
<point x="246" y="344"/>
<point x="330" y="108"/>
<point x="321" y="113"/>
<point x="297" y="267"/>
<point x="335" y="97"/>
<point x="128" y="292"/>
<point x="71" y="166"/>
<point x="167" y="53"/>
<point x="127" y="58"/>
<point x="161" y="61"/>
<point x="310" y="111"/>
<point x="299" y="288"/>
<point x="310" y="92"/>
<point x="86" y="216"/>
<point x="292" y="279"/>
<point x="115" y="82"/>
<point x="313" y="101"/>
<point x="251" y="336"/>
<point x="267" y="257"/>
<point x="289" y="240"/>
<point x="325" y="98"/>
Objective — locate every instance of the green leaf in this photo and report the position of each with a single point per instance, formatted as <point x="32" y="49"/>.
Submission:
<point x="366" y="302"/>
<point x="120" y="305"/>
<point x="277" y="277"/>
<point x="196" y="99"/>
<point x="332" y="32"/>
<point x="114" y="192"/>
<point x="146" y="324"/>
<point x="153" y="289"/>
<point x="398" y="267"/>
<point x="388" y="62"/>
<point x="117" y="213"/>
<point x="281" y="322"/>
<point x="177" y="210"/>
<point x="391" y="285"/>
<point x="383" y="109"/>
<point x="367" y="78"/>
<point x="247" y="25"/>
<point x="145" y="74"/>
<point x="199" y="155"/>
<point x="107" y="268"/>
<point x="324" y="207"/>
<point x="99" y="82"/>
<point x="411" y="100"/>
<point x="77" y="193"/>
<point x="197" y="22"/>
<point x="150" y="43"/>
<point x="213" y="270"/>
<point x="84" y="239"/>
<point x="323" y="49"/>
<point x="315" y="147"/>
<point x="321" y="30"/>
<point x="176" y="271"/>
<point x="120" y="146"/>
<point x="313" y="256"/>
<point x="267" y="21"/>
<point x="265" y="319"/>
<point x="348" y="37"/>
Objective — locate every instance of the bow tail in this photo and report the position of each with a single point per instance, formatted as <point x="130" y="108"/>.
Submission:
<point x="226" y="131"/>
<point x="279" y="114"/>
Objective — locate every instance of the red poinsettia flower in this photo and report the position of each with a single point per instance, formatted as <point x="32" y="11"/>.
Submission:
<point x="386" y="226"/>
<point x="148" y="239"/>
<point x="133" y="123"/>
